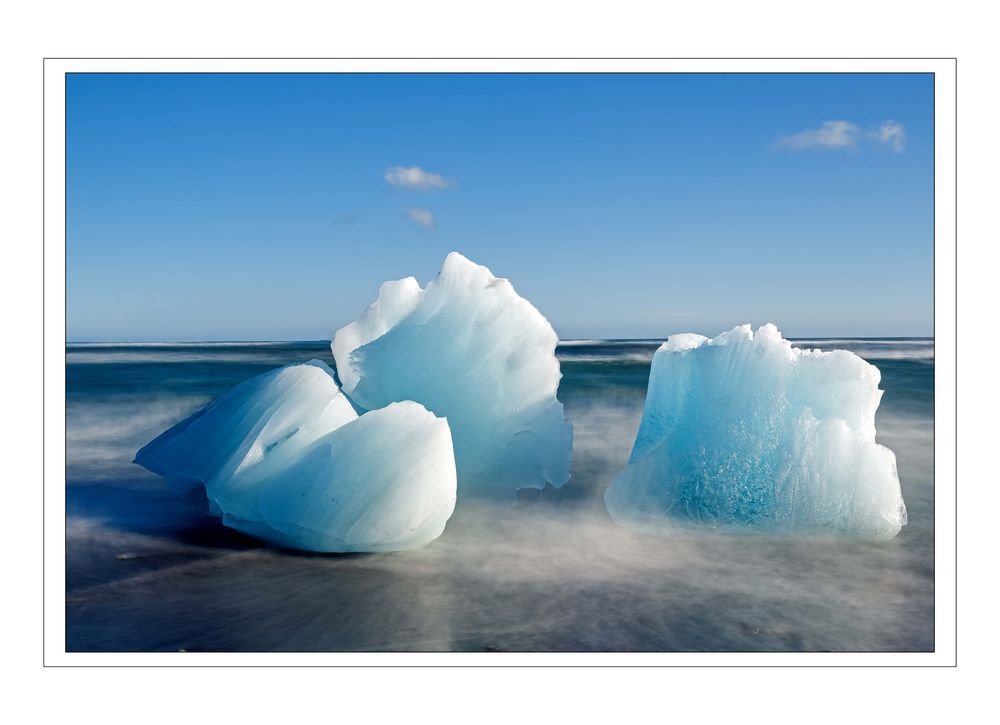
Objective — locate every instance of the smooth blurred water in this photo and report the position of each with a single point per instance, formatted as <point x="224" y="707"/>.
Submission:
<point x="148" y="571"/>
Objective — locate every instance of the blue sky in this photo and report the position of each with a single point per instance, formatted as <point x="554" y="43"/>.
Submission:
<point x="271" y="206"/>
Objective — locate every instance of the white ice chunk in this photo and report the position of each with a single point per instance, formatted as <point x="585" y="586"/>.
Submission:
<point x="470" y="349"/>
<point x="284" y="456"/>
<point x="744" y="431"/>
<point x="383" y="482"/>
<point x="293" y="405"/>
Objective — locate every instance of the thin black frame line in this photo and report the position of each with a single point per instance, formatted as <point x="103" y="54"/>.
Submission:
<point x="66" y="301"/>
<point x="65" y="160"/>
<point x="956" y="359"/>
<point x="485" y="73"/>
<point x="490" y="667"/>
<point x="297" y="652"/>
<point x="934" y="488"/>
<point x="43" y="364"/>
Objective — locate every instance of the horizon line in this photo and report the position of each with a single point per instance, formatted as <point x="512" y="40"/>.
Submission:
<point x="561" y="340"/>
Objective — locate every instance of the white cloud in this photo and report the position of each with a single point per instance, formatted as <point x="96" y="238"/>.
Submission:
<point x="415" y="178"/>
<point x="421" y="216"/>
<point x="891" y="133"/>
<point x="831" y="135"/>
<point x="844" y="135"/>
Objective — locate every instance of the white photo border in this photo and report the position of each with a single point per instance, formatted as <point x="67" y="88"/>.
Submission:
<point x="945" y="348"/>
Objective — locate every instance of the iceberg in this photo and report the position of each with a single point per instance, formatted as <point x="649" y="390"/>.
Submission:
<point x="293" y="405"/>
<point x="383" y="482"/>
<point x="743" y="431"/>
<point x="285" y="457"/>
<point x="469" y="348"/>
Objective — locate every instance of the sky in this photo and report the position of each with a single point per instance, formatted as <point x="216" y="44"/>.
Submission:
<point x="272" y="206"/>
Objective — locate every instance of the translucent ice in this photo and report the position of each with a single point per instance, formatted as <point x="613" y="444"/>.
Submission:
<point x="472" y="350"/>
<point x="293" y="405"/>
<point x="383" y="482"/>
<point x="285" y="457"/>
<point x="745" y="431"/>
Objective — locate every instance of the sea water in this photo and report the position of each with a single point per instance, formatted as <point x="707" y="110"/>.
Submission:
<point x="149" y="570"/>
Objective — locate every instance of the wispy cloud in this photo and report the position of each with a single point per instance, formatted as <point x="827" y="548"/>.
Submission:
<point x="845" y="136"/>
<point x="831" y="135"/>
<point x="421" y="216"/>
<point x="415" y="179"/>
<point x="893" y="134"/>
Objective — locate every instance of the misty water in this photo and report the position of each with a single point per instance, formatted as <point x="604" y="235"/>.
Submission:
<point x="147" y="570"/>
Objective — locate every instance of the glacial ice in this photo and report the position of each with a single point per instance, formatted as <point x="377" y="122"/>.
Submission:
<point x="470" y="349"/>
<point x="293" y="405"/>
<point x="743" y="431"/>
<point x="285" y="457"/>
<point x="383" y="482"/>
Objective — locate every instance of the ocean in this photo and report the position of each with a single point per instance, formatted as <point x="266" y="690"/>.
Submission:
<point x="147" y="570"/>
